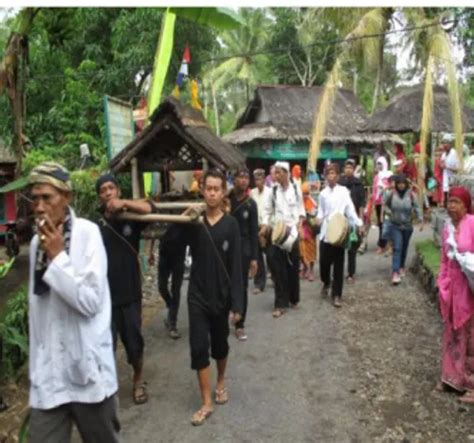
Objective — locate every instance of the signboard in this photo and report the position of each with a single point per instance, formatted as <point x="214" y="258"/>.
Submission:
<point x="119" y="125"/>
<point x="294" y="151"/>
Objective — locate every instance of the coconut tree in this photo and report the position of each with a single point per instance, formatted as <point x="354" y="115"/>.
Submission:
<point x="248" y="70"/>
<point x="432" y="50"/>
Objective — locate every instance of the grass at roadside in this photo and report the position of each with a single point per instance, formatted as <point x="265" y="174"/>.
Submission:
<point x="430" y="254"/>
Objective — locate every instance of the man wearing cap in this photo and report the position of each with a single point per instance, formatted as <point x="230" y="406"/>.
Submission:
<point x="72" y="368"/>
<point x="284" y="204"/>
<point x="449" y="164"/>
<point x="357" y="193"/>
<point x="334" y="199"/>
<point x="244" y="210"/>
<point x="121" y="240"/>
<point x="259" y="194"/>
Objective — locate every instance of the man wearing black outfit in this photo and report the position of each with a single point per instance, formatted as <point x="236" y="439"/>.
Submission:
<point x="215" y="290"/>
<point x="244" y="210"/>
<point x="172" y="251"/>
<point x="356" y="189"/>
<point x="121" y="240"/>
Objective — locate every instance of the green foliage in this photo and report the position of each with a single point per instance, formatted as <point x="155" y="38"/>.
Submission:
<point x="14" y="333"/>
<point x="430" y="255"/>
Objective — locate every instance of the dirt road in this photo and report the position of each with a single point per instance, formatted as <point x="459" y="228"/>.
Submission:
<point x="362" y="373"/>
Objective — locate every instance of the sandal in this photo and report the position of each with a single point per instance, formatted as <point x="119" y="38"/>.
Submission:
<point x="277" y="313"/>
<point x="467" y="397"/>
<point x="140" y="394"/>
<point x="222" y="396"/>
<point x="201" y="416"/>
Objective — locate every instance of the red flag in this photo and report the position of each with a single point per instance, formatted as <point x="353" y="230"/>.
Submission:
<point x="187" y="54"/>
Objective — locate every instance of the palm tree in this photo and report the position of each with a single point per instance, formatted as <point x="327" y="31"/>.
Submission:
<point x="248" y="70"/>
<point x="432" y="49"/>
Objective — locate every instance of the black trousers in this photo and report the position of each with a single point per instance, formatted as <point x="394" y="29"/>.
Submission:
<point x="96" y="422"/>
<point x="352" y="258"/>
<point x="174" y="267"/>
<point x="285" y="272"/>
<point x="207" y="330"/>
<point x="127" y="322"/>
<point x="382" y="242"/>
<point x="332" y="256"/>
<point x="245" y="283"/>
<point x="260" y="279"/>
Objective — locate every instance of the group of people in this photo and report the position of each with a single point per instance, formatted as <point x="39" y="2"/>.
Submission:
<point x="85" y="278"/>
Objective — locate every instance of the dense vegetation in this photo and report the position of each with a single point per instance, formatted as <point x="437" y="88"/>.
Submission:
<point x="77" y="55"/>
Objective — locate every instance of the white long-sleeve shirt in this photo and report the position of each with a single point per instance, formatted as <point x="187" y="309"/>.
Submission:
<point x="452" y="162"/>
<point x="260" y="198"/>
<point x="71" y="353"/>
<point x="288" y="206"/>
<point x="336" y="200"/>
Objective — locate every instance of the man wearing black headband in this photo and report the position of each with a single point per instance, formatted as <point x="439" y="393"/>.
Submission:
<point x="122" y="244"/>
<point x="244" y="210"/>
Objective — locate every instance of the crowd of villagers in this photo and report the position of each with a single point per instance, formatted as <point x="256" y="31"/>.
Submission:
<point x="85" y="288"/>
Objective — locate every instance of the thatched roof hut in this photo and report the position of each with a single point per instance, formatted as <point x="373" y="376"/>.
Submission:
<point x="403" y="113"/>
<point x="286" y="112"/>
<point x="178" y="138"/>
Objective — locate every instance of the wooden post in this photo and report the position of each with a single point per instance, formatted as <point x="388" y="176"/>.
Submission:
<point x="135" y="179"/>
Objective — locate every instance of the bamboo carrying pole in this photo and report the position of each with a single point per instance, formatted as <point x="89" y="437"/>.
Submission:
<point x="198" y="205"/>
<point x="163" y="218"/>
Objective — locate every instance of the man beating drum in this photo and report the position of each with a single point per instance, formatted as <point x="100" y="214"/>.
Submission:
<point x="285" y="205"/>
<point x="336" y="214"/>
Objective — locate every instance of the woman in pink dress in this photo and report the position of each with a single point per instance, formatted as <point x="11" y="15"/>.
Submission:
<point x="457" y="299"/>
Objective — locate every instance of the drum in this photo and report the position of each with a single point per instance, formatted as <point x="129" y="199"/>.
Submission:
<point x="284" y="236"/>
<point x="337" y="230"/>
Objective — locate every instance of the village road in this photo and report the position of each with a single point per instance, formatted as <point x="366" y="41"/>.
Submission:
<point x="362" y="373"/>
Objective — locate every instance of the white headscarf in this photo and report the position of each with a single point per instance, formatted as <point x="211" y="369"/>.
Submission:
<point x="384" y="173"/>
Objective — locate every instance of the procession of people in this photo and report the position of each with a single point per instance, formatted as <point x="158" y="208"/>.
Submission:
<point x="85" y="279"/>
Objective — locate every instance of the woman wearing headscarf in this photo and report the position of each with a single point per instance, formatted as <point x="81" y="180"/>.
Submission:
<point x="456" y="298"/>
<point x="401" y="204"/>
<point x="307" y="236"/>
<point x="380" y="183"/>
<point x="296" y="174"/>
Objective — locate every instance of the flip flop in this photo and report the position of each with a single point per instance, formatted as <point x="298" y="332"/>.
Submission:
<point x="277" y="313"/>
<point x="221" y="396"/>
<point x="468" y="397"/>
<point x="139" y="399"/>
<point x="201" y="416"/>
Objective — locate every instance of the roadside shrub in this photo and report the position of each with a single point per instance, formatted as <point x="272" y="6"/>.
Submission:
<point x="14" y="334"/>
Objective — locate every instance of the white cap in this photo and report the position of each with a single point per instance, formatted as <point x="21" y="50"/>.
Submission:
<point x="283" y="165"/>
<point x="447" y="138"/>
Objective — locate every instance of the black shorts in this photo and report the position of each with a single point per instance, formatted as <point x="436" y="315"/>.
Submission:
<point x="127" y="322"/>
<point x="207" y="330"/>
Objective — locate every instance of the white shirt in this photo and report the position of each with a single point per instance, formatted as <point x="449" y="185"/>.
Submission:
<point x="451" y="161"/>
<point x="336" y="200"/>
<point x="71" y="353"/>
<point x="259" y="198"/>
<point x="469" y="165"/>
<point x="288" y="206"/>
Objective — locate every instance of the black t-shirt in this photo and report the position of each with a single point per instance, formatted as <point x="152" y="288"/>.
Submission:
<point x="356" y="189"/>
<point x="246" y="213"/>
<point x="172" y="246"/>
<point x="215" y="283"/>
<point x="122" y="244"/>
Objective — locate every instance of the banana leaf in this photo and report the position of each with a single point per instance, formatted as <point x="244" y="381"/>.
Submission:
<point x="15" y="185"/>
<point x="6" y="267"/>
<point x="222" y="19"/>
